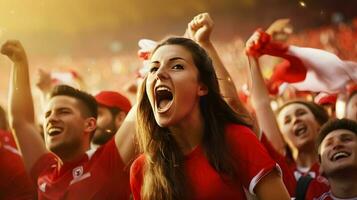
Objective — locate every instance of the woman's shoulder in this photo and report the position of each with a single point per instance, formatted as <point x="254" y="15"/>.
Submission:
<point x="241" y="139"/>
<point x="136" y="176"/>
<point x="138" y="164"/>
<point x="238" y="130"/>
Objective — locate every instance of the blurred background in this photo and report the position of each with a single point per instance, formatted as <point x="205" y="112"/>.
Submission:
<point x="98" y="39"/>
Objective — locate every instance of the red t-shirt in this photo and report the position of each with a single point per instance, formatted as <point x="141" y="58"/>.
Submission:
<point x="99" y="174"/>
<point x="288" y="176"/>
<point x="14" y="181"/>
<point x="251" y="160"/>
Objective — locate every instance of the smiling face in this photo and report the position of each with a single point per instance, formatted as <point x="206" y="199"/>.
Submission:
<point x="173" y="85"/>
<point x="298" y="125"/>
<point x="338" y="151"/>
<point x="65" y="125"/>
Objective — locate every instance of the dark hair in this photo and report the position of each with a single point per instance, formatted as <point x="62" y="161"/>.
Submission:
<point x="336" y="124"/>
<point x="89" y="102"/>
<point x="3" y="119"/>
<point x="164" y="176"/>
<point x="318" y="111"/>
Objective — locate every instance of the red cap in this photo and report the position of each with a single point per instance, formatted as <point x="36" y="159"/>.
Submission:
<point x="328" y="99"/>
<point x="113" y="100"/>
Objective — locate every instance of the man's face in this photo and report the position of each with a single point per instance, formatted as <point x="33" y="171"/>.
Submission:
<point x="338" y="152"/>
<point x="106" y="126"/>
<point x="64" y="125"/>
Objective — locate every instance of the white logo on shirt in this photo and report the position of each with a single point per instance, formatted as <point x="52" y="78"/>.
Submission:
<point x="43" y="187"/>
<point x="77" y="172"/>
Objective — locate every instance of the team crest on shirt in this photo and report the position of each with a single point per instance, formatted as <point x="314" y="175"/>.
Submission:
<point x="79" y="175"/>
<point x="77" y="172"/>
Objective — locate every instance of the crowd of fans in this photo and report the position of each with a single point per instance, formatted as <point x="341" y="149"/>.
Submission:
<point x="260" y="118"/>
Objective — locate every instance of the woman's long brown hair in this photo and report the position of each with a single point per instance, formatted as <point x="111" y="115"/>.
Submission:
<point x="164" y="175"/>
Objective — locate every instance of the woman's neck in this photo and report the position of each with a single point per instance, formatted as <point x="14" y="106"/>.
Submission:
<point x="305" y="158"/>
<point x="189" y="132"/>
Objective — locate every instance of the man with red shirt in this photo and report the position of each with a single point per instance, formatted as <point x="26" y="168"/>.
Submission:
<point x="15" y="183"/>
<point x="338" y="156"/>
<point x="112" y="110"/>
<point x="65" y="167"/>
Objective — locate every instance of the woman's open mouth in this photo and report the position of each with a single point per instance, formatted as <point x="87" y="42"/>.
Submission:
<point x="164" y="98"/>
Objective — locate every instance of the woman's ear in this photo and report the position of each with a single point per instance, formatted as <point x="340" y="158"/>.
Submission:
<point x="90" y="124"/>
<point x="202" y="90"/>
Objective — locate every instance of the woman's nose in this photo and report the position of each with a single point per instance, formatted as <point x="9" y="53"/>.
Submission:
<point x="161" y="73"/>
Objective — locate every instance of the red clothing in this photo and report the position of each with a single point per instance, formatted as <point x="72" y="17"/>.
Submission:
<point x="291" y="174"/>
<point x="99" y="174"/>
<point x="14" y="182"/>
<point x="329" y="196"/>
<point x="288" y="177"/>
<point x="317" y="188"/>
<point x="325" y="196"/>
<point x="251" y="160"/>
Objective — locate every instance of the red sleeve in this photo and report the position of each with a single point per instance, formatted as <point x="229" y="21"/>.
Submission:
<point x="111" y="155"/>
<point x="288" y="176"/>
<point x="14" y="181"/>
<point x="136" y="176"/>
<point x="43" y="164"/>
<point x="252" y="161"/>
<point x="111" y="161"/>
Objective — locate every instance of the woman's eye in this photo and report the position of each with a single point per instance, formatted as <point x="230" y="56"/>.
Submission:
<point x="177" y="66"/>
<point x="301" y="112"/>
<point x="287" y="120"/>
<point x="153" y="69"/>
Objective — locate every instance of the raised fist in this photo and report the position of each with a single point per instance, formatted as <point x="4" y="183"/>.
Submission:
<point x="200" y="28"/>
<point x="257" y="43"/>
<point x="43" y="82"/>
<point x="14" y="50"/>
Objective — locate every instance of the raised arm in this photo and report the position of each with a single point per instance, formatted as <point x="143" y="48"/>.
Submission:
<point x="199" y="30"/>
<point x="125" y="138"/>
<point x="21" y="111"/>
<point x="271" y="187"/>
<point x="260" y="96"/>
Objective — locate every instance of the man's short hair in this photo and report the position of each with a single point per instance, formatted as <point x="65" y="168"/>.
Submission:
<point x="336" y="124"/>
<point x="88" y="100"/>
